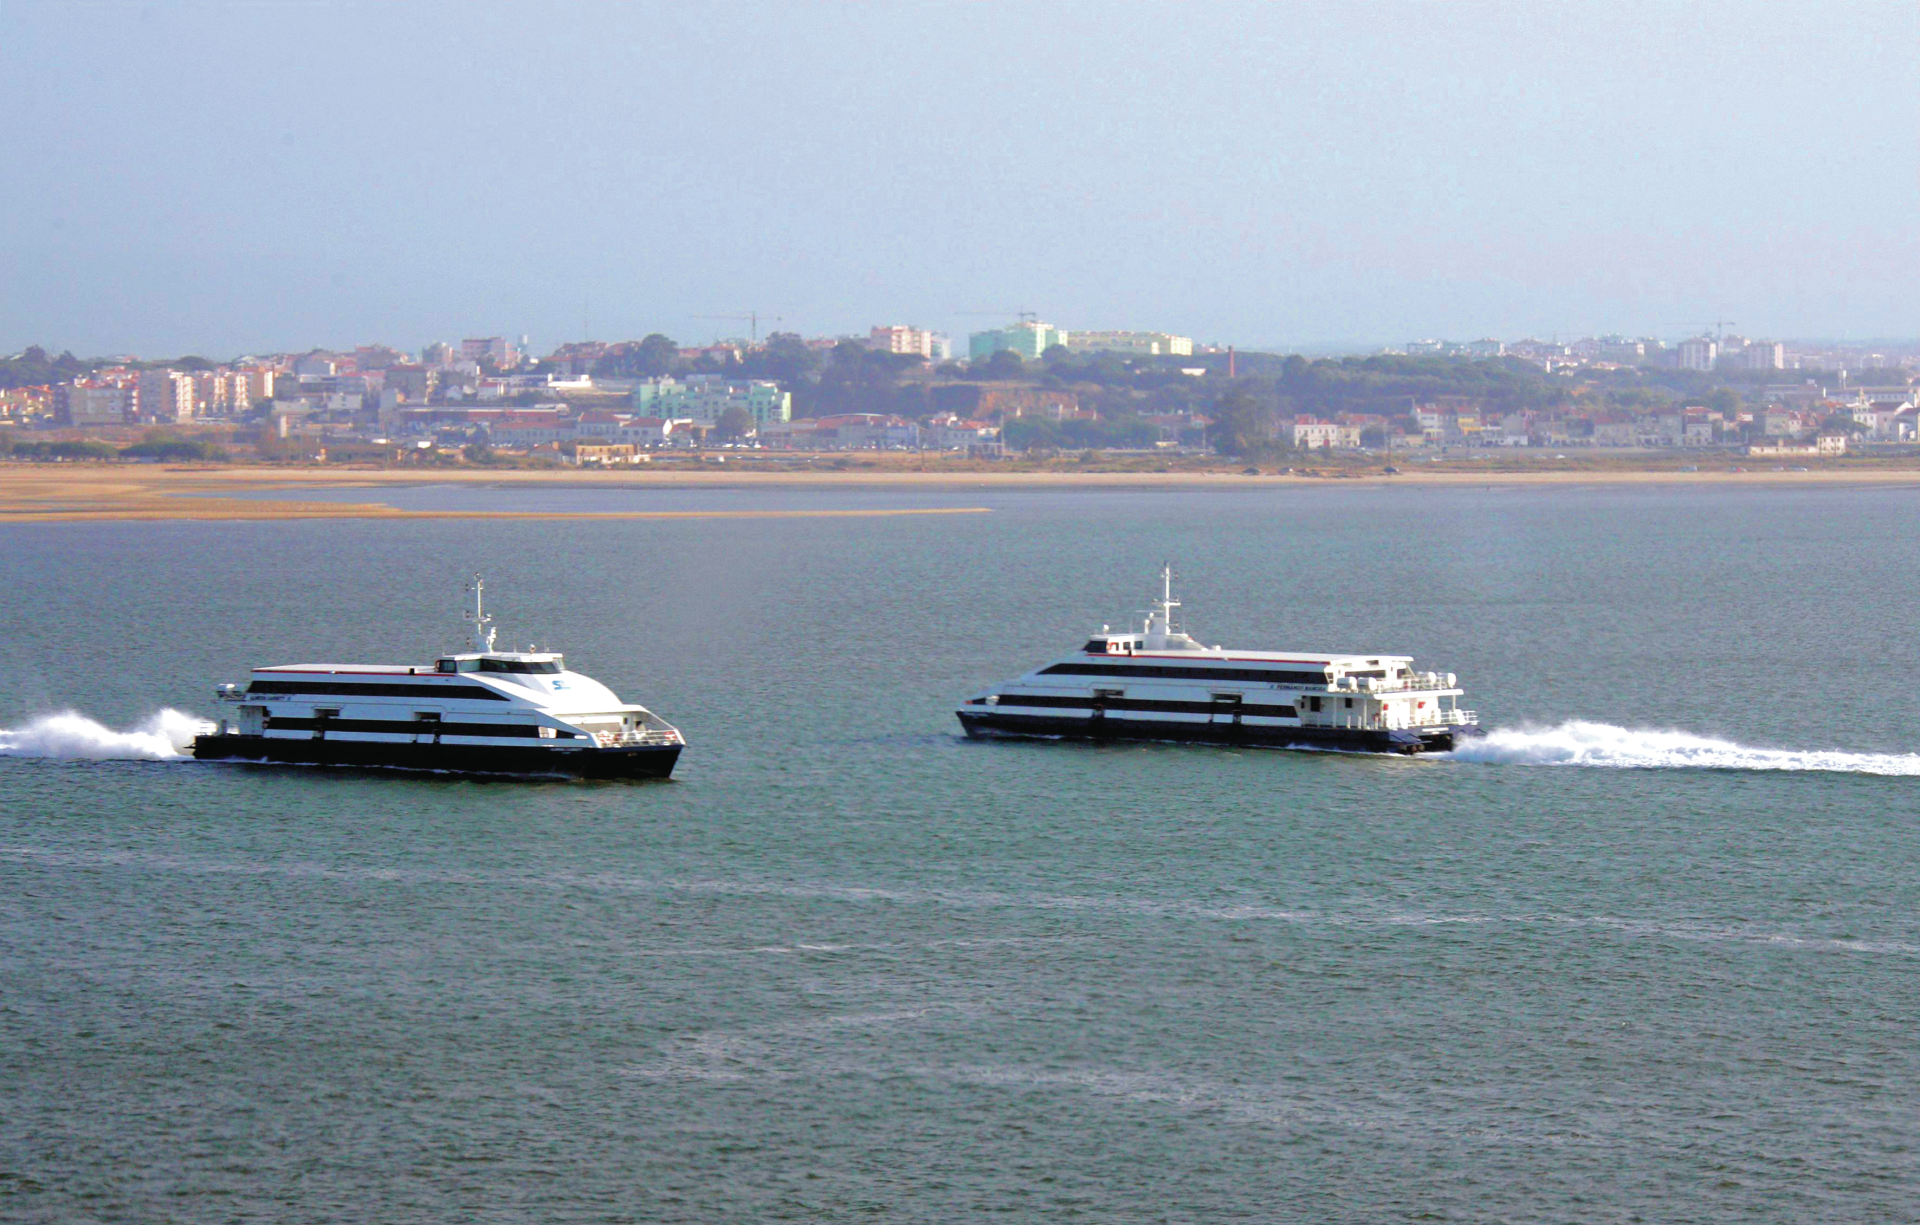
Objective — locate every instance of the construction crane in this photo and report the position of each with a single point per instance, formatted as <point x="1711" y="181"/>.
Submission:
<point x="751" y="319"/>
<point x="1019" y="312"/>
<point x="1719" y="326"/>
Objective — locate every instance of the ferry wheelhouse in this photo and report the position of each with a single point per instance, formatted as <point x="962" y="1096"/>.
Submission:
<point x="481" y="711"/>
<point x="1161" y="684"/>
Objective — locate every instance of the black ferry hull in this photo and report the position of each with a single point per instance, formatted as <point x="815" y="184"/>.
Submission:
<point x="1398" y="740"/>
<point x="625" y="761"/>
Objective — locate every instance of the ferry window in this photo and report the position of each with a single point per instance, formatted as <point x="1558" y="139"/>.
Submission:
<point x="538" y="668"/>
<point x="1095" y="646"/>
<point x="443" y="665"/>
<point x="1313" y="704"/>
<point x="1349" y="702"/>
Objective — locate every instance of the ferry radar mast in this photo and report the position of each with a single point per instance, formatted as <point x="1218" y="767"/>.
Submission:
<point x="1160" y="617"/>
<point x="483" y="631"/>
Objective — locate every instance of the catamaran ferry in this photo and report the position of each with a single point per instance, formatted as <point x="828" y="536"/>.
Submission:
<point x="1161" y="684"/>
<point x="482" y="711"/>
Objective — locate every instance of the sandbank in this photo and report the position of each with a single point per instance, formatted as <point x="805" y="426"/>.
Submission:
<point x="48" y="492"/>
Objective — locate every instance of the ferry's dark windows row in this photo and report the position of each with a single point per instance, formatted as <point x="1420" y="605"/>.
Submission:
<point x="545" y="667"/>
<point x="354" y="689"/>
<point x="406" y="727"/>
<point x="1145" y="705"/>
<point x="541" y="668"/>
<point x="1170" y="672"/>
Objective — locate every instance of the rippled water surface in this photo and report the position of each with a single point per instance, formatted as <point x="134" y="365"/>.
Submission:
<point x="1651" y="952"/>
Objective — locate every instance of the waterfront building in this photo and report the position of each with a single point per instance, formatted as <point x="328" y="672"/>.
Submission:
<point x="530" y="429"/>
<point x="951" y="432"/>
<point x="863" y="431"/>
<point x="705" y="398"/>
<point x="1314" y="435"/>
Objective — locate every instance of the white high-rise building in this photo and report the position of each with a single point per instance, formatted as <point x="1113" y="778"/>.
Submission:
<point x="900" y="338"/>
<point x="1700" y="353"/>
<point x="1765" y="355"/>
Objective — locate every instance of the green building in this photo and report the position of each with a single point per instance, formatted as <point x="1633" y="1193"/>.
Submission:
<point x="705" y="397"/>
<point x="1027" y="338"/>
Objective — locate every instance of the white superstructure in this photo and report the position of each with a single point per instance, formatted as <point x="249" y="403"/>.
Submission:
<point x="482" y="709"/>
<point x="1161" y="683"/>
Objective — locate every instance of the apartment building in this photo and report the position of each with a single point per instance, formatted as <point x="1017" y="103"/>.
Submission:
<point x="94" y="402"/>
<point x="1700" y="353"/>
<point x="503" y="353"/>
<point x="1313" y="435"/>
<point x="705" y="398"/>
<point x="1132" y="344"/>
<point x="1029" y="338"/>
<point x="165" y="395"/>
<point x="899" y="338"/>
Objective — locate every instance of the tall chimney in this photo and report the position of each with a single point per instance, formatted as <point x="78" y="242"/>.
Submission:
<point x="1230" y="371"/>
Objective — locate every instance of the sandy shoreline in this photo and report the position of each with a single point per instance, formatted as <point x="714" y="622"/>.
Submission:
<point x="56" y="492"/>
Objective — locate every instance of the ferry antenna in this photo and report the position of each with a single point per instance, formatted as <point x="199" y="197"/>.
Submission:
<point x="482" y="633"/>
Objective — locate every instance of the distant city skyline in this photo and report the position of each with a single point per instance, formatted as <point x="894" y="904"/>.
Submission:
<point x="1308" y="176"/>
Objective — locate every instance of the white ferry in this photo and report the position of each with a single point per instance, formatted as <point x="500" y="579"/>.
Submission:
<point x="482" y="711"/>
<point x="1161" y="684"/>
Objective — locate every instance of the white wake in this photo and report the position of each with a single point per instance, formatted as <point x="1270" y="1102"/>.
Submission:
<point x="162" y="736"/>
<point x="1580" y="743"/>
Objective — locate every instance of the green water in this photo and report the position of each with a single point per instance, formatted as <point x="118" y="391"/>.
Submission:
<point x="850" y="966"/>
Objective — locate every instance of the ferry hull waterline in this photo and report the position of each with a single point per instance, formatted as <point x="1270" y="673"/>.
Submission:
<point x="483" y="711"/>
<point x="1093" y="727"/>
<point x="1161" y="684"/>
<point x="639" y="761"/>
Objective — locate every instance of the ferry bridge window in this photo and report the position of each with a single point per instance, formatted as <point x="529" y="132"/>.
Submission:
<point x="547" y="667"/>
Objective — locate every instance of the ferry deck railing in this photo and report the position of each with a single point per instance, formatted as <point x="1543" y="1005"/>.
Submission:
<point x="1357" y="721"/>
<point x="1393" y="684"/>
<point x="637" y="737"/>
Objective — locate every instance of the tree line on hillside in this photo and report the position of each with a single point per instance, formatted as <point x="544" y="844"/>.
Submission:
<point x="1250" y="411"/>
<point x="157" y="445"/>
<point x="34" y="368"/>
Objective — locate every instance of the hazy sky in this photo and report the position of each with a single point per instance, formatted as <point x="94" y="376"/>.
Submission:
<point x="219" y="178"/>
